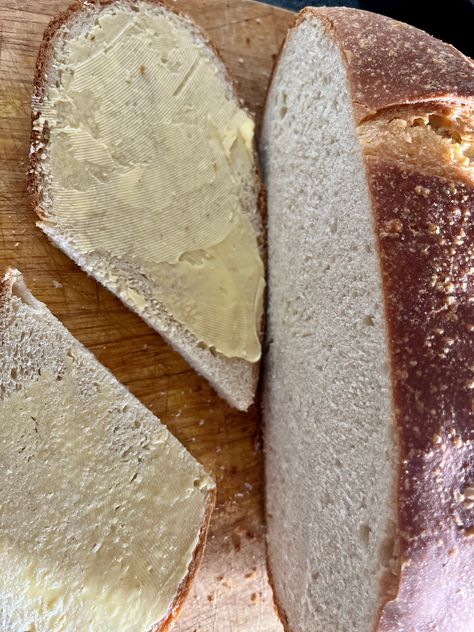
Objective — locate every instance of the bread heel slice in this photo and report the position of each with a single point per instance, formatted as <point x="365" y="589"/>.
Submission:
<point x="143" y="171"/>
<point x="104" y="513"/>
<point x="366" y="149"/>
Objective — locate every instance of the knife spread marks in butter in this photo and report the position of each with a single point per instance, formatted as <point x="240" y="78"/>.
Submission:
<point x="150" y="159"/>
<point x="101" y="507"/>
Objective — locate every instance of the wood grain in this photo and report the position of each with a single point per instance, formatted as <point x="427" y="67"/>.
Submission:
<point x="231" y="593"/>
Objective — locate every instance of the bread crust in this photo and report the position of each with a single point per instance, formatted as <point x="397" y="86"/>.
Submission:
<point x="7" y="283"/>
<point x="34" y="179"/>
<point x="278" y="608"/>
<point x="390" y="63"/>
<point x="185" y="587"/>
<point x="422" y="230"/>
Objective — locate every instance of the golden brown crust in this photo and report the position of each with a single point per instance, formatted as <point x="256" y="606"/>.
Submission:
<point x="426" y="236"/>
<point x="39" y="138"/>
<point x="390" y="63"/>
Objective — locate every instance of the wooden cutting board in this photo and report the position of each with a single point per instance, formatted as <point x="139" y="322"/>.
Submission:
<point x="231" y="593"/>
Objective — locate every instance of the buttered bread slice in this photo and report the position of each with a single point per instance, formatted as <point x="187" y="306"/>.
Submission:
<point x="143" y="172"/>
<point x="103" y="513"/>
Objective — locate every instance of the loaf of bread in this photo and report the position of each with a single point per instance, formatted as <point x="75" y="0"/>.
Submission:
<point x="143" y="171"/>
<point x="367" y="151"/>
<point x="103" y="514"/>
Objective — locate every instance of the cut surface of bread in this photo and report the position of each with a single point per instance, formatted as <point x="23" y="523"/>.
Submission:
<point x="367" y="156"/>
<point x="104" y="513"/>
<point x="330" y="455"/>
<point x="143" y="172"/>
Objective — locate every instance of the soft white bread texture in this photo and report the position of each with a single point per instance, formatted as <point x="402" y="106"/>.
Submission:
<point x="121" y="134"/>
<point x="104" y="514"/>
<point x="330" y="455"/>
<point x="366" y="151"/>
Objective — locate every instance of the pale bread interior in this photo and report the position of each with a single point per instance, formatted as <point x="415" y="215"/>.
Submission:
<point x="234" y="379"/>
<point x="331" y="454"/>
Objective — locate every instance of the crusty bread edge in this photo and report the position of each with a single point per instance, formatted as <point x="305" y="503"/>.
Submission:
<point x="34" y="178"/>
<point x="185" y="587"/>
<point x="13" y="278"/>
<point x="277" y="606"/>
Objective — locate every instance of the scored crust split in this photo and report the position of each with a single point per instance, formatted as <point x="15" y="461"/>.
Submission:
<point x="234" y="379"/>
<point x="369" y="428"/>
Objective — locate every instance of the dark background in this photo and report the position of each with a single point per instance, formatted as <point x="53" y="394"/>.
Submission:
<point x="452" y="21"/>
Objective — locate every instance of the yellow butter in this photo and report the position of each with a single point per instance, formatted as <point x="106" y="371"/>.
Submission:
<point x="99" y="520"/>
<point x="151" y="160"/>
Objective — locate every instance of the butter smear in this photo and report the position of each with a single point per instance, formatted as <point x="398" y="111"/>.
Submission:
<point x="150" y="158"/>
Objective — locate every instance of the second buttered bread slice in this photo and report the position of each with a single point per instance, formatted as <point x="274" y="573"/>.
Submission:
<point x="104" y="514"/>
<point x="143" y="172"/>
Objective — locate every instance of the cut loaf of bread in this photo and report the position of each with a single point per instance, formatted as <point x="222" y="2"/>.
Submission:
<point x="117" y="118"/>
<point x="104" y="514"/>
<point x="367" y="153"/>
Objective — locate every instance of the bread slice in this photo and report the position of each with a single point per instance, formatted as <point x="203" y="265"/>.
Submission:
<point x="367" y="151"/>
<point x="104" y="514"/>
<point x="142" y="163"/>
